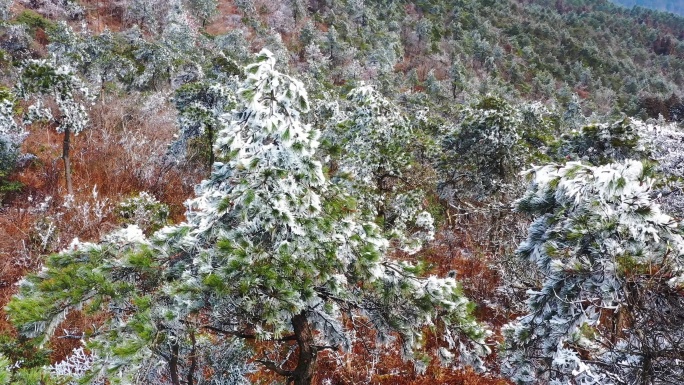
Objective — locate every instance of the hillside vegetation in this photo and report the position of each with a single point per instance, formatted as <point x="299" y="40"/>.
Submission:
<point x="341" y="192"/>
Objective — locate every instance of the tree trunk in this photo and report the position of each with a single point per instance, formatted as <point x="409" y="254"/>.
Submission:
<point x="193" y="359"/>
<point x="306" y="364"/>
<point x="173" y="363"/>
<point x="210" y="133"/>
<point x="67" y="161"/>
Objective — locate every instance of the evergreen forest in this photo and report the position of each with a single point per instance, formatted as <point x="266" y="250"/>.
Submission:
<point x="338" y="192"/>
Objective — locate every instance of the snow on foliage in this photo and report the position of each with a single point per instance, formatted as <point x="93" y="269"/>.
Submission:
<point x="601" y="143"/>
<point x="665" y="147"/>
<point x="376" y="165"/>
<point x="11" y="133"/>
<point x="58" y="82"/>
<point x="611" y="263"/>
<point x="200" y="107"/>
<point x="94" y="55"/>
<point x="290" y="243"/>
<point x="484" y="153"/>
<point x="143" y="210"/>
<point x="270" y="250"/>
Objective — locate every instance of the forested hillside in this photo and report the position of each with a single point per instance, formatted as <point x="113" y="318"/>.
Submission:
<point x="303" y="192"/>
<point x="673" y="6"/>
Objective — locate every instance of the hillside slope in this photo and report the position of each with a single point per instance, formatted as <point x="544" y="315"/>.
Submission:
<point x="407" y="123"/>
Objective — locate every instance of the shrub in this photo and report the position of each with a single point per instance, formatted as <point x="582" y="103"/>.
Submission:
<point x="145" y="211"/>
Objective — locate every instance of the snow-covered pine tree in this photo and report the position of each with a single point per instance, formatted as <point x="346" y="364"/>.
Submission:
<point x="11" y="137"/>
<point x="94" y="56"/>
<point x="174" y="51"/>
<point x="281" y="254"/>
<point x="144" y="13"/>
<point x="200" y="106"/>
<point x="46" y="79"/>
<point x="270" y="251"/>
<point x="483" y="154"/>
<point x="142" y="338"/>
<point x="610" y="306"/>
<point x="375" y="161"/>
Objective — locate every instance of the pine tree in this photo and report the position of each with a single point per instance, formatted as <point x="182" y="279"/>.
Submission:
<point x="200" y="107"/>
<point x="609" y="307"/>
<point x="144" y="13"/>
<point x="94" y="56"/>
<point x="43" y="78"/>
<point x="204" y="10"/>
<point x="270" y="251"/>
<point x="11" y="137"/>
<point x="483" y="155"/>
<point x="376" y="162"/>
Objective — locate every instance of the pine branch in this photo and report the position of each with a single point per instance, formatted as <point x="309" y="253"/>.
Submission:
<point x="245" y="335"/>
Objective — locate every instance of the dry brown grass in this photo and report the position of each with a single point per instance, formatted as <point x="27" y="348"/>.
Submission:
<point x="228" y="19"/>
<point x="121" y="153"/>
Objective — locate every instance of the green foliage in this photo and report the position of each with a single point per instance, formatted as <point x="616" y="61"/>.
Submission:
<point x="33" y="21"/>
<point x="35" y="376"/>
<point x="224" y="66"/>
<point x="144" y="211"/>
<point x="23" y="363"/>
<point x="493" y="141"/>
<point x="26" y="351"/>
<point x="602" y="143"/>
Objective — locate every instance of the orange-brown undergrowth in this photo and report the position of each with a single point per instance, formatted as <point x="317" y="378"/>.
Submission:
<point x="120" y="154"/>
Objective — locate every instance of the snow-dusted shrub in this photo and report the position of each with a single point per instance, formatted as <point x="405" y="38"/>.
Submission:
<point x="144" y="211"/>
<point x="86" y="214"/>
<point x="57" y="220"/>
<point x="609" y="308"/>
